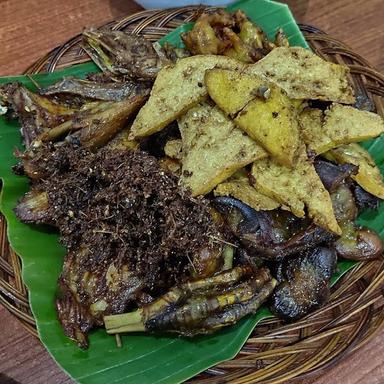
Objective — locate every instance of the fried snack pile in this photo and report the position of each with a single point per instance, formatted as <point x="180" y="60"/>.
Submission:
<point x="191" y="185"/>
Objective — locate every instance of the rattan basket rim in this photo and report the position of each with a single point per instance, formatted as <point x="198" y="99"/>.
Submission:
<point x="279" y="352"/>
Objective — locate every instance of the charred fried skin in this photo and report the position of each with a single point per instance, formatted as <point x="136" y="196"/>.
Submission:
<point x="332" y="175"/>
<point x="100" y="128"/>
<point x="201" y="306"/>
<point x="92" y="125"/>
<point x="122" y="54"/>
<point x="87" y="294"/>
<point x="303" y="283"/>
<point x="271" y="235"/>
<point x="365" y="200"/>
<point x="106" y="91"/>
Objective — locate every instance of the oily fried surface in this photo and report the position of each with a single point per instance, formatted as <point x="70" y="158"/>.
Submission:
<point x="232" y="35"/>
<point x="297" y="188"/>
<point x="263" y="111"/>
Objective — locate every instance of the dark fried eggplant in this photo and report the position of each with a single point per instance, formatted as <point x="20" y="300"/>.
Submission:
<point x="304" y="283"/>
<point x="271" y="235"/>
<point x="364" y="199"/>
<point x="355" y="243"/>
<point x="359" y="243"/>
<point x="333" y="175"/>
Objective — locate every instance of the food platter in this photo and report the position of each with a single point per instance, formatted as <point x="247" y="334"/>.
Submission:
<point x="111" y="361"/>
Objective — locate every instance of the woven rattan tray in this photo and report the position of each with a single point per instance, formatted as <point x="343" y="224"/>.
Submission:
<point x="275" y="352"/>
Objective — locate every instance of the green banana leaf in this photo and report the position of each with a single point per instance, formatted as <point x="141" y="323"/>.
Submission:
<point x="142" y="358"/>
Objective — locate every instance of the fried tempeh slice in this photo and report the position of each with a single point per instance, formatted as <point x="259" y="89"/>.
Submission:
<point x="263" y="111"/>
<point x="339" y="125"/>
<point x="304" y="75"/>
<point x="297" y="188"/>
<point x="351" y="123"/>
<point x="229" y="91"/>
<point x="213" y="148"/>
<point x="368" y="176"/>
<point x="312" y="132"/>
<point x="176" y="89"/>
<point x="238" y="186"/>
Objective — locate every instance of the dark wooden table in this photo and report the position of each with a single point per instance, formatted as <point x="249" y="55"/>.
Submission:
<point x="30" y="28"/>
